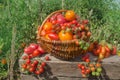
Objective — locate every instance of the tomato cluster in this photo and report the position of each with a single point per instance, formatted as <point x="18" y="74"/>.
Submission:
<point x="65" y="27"/>
<point x="33" y="66"/>
<point x="102" y="49"/>
<point x="34" y="50"/>
<point x="89" y="68"/>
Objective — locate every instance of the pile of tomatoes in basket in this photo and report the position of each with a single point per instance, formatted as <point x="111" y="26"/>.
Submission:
<point x="65" y="26"/>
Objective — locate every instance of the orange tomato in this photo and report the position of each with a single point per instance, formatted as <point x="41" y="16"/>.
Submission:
<point x="63" y="36"/>
<point x="47" y="26"/>
<point x="92" y="68"/>
<point x="3" y="61"/>
<point x="70" y="15"/>
<point x="98" y="64"/>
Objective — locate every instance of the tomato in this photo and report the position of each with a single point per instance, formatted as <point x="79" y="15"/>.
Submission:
<point x="83" y="71"/>
<point x="82" y="67"/>
<point x="91" y="65"/>
<point x="24" y="66"/>
<point x="43" y="64"/>
<point x="33" y="65"/>
<point x="88" y="71"/>
<point x="103" y="51"/>
<point x="99" y="69"/>
<point x="37" y="72"/>
<point x="36" y="53"/>
<point x="28" y="50"/>
<point x="98" y="64"/>
<point x="47" y="58"/>
<point x="47" y="26"/>
<point x="32" y="69"/>
<point x="41" y="70"/>
<point x="114" y="51"/>
<point x="53" y="36"/>
<point x="88" y="34"/>
<point x="70" y="15"/>
<point x="28" y="61"/>
<point x="35" y="62"/>
<point x="74" y="22"/>
<point x="33" y="46"/>
<point x="101" y="56"/>
<point x="107" y="54"/>
<point x="54" y="22"/>
<point x="42" y="51"/>
<point x="4" y="61"/>
<point x="25" y="57"/>
<point x="63" y="36"/>
<point x="107" y="49"/>
<point x="79" y="66"/>
<point x="85" y="21"/>
<point x="87" y="60"/>
<point x="61" y="19"/>
<point x="92" y="69"/>
<point x="82" y="27"/>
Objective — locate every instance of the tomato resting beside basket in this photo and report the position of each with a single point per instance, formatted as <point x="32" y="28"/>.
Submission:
<point x="65" y="26"/>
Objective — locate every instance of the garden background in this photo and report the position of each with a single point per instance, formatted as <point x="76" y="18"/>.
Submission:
<point x="19" y="20"/>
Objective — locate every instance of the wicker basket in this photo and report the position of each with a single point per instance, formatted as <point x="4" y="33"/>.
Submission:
<point x="61" y="49"/>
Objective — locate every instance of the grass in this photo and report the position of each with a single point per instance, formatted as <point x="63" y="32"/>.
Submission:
<point x="26" y="15"/>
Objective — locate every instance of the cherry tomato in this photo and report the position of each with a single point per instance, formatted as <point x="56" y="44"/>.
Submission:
<point x="25" y="57"/>
<point x="24" y="66"/>
<point x="114" y="51"/>
<point x="88" y="34"/>
<point x="41" y="70"/>
<point x="82" y="27"/>
<point x="82" y="67"/>
<point x="88" y="71"/>
<point x="83" y="71"/>
<point x="92" y="69"/>
<point x="37" y="72"/>
<point x="35" y="62"/>
<point x="47" y="58"/>
<point x="43" y="64"/>
<point x="87" y="60"/>
<point x="54" y="22"/>
<point x="85" y="21"/>
<point x="32" y="69"/>
<point x="79" y="66"/>
<point x="74" y="22"/>
<point x="28" y="61"/>
<point x="98" y="64"/>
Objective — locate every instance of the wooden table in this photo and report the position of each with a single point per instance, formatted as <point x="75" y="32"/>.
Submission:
<point x="67" y="70"/>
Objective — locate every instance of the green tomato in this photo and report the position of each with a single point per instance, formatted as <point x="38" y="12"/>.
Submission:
<point x="99" y="69"/>
<point x="97" y="73"/>
<point x="93" y="73"/>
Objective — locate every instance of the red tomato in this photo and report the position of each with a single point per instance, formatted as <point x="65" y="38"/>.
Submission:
<point x="82" y="67"/>
<point x="88" y="71"/>
<point x="34" y="46"/>
<point x="41" y="50"/>
<point x="114" y="51"/>
<point x="82" y="27"/>
<point x="87" y="60"/>
<point x="83" y="71"/>
<point x="53" y="36"/>
<point x="43" y="64"/>
<point x="37" y="72"/>
<point x="54" y="22"/>
<point x="24" y="66"/>
<point x="33" y="65"/>
<point x="79" y="66"/>
<point x="74" y="22"/>
<point x="28" y="61"/>
<point x="35" y="62"/>
<point x="32" y="69"/>
<point x="41" y="70"/>
<point x="28" y="50"/>
<point x="36" y="53"/>
<point x="85" y="21"/>
<point x="47" y="58"/>
<point x="25" y="57"/>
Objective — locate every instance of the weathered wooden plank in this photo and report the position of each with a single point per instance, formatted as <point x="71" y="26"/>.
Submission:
<point x="67" y="70"/>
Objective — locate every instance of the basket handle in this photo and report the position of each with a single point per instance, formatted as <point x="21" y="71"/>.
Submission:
<point x="59" y="11"/>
